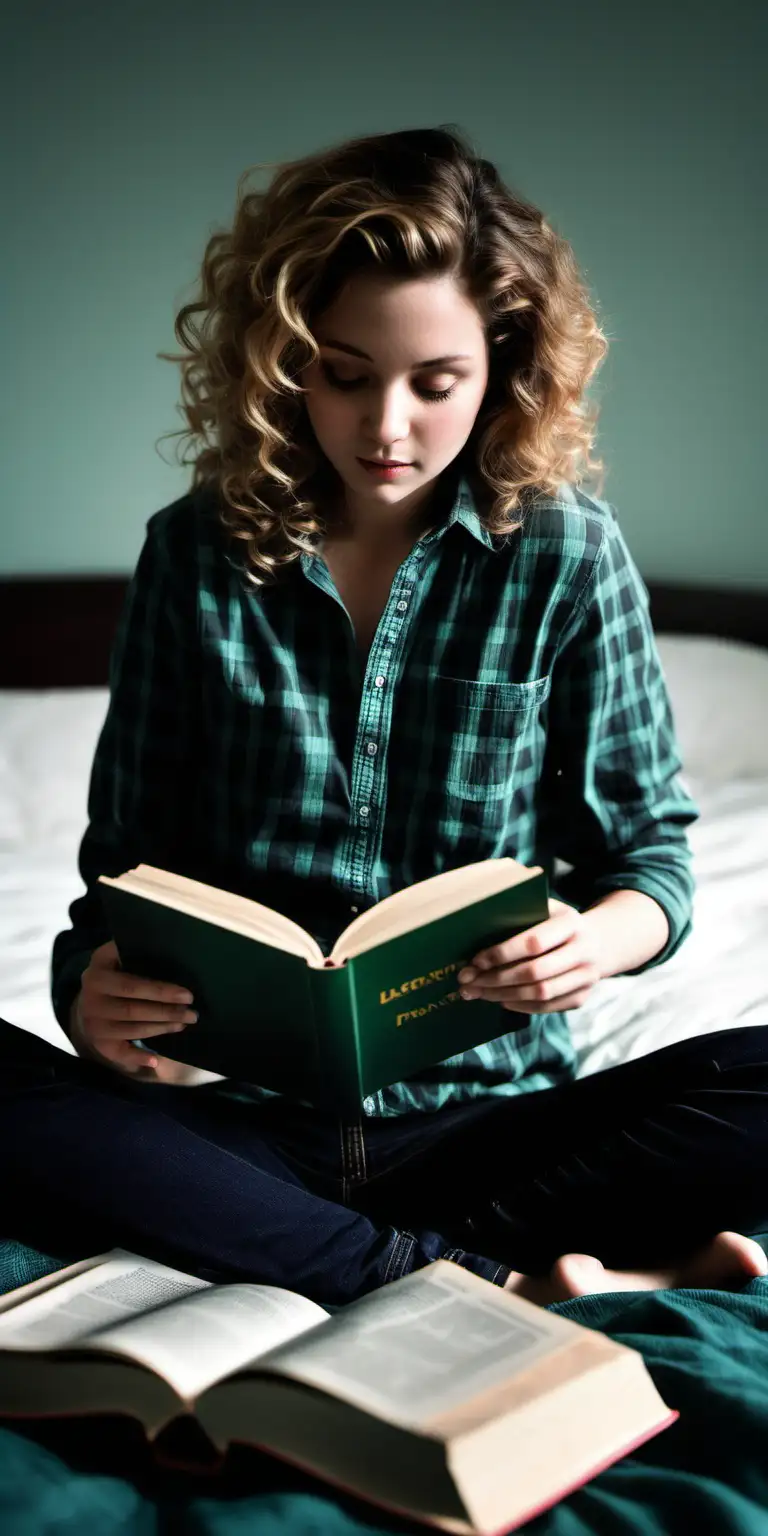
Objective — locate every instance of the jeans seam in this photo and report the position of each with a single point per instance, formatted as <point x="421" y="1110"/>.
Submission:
<point x="402" y="1248"/>
<point x="358" y="1142"/>
<point x="353" y="1159"/>
<point x="343" y="1160"/>
<point x="499" y="1276"/>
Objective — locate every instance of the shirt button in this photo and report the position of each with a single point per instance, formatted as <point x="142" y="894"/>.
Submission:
<point x="402" y="607"/>
<point x="354" y="909"/>
<point x="379" y="682"/>
<point x="365" y="810"/>
<point x="369" y="1106"/>
<point x="371" y="748"/>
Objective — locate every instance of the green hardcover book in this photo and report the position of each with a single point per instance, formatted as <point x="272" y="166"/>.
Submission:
<point x="273" y="1010"/>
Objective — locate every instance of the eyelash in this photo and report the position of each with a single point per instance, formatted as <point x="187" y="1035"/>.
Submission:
<point x="350" y="384"/>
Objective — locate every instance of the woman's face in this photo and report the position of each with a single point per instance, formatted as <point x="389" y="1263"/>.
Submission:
<point x="373" y="392"/>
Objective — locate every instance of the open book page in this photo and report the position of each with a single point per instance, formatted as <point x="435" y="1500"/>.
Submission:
<point x="423" y="1345"/>
<point x="70" y="1311"/>
<point x="189" y="1331"/>
<point x="427" y="901"/>
<point x="239" y="914"/>
<point x="200" y="1339"/>
<point x="414" y="907"/>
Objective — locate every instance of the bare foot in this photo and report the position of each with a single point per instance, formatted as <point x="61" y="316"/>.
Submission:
<point x="726" y="1263"/>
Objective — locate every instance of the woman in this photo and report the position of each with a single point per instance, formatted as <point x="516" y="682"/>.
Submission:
<point x="333" y="679"/>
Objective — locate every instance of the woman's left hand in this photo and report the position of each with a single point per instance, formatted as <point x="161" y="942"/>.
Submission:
<point x="545" y="969"/>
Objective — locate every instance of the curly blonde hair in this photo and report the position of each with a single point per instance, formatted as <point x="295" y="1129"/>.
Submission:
<point x="416" y="203"/>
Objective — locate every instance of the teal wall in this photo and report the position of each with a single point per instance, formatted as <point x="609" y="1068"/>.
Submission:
<point x="639" y="130"/>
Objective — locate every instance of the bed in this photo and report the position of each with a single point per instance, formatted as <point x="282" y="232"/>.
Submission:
<point x="707" y="1350"/>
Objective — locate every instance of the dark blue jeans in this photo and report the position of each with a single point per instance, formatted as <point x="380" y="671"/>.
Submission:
<point x="639" y="1165"/>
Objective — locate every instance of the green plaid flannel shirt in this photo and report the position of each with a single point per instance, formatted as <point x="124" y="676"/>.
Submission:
<point x="513" y="703"/>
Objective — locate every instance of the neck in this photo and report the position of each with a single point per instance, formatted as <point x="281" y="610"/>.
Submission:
<point x="398" y="531"/>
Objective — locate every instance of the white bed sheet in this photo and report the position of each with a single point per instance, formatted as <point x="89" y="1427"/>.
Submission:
<point x="718" y="979"/>
<point x="47" y="742"/>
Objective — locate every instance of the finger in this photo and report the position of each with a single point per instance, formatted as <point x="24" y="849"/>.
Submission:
<point x="548" y="994"/>
<point x="125" y="1029"/>
<point x="125" y="984"/>
<point x="106" y="954"/>
<point x="139" y="1063"/>
<point x="557" y="962"/>
<point x="558" y="1005"/>
<point x="534" y="941"/>
<point x="124" y="1057"/>
<point x="102" y="1006"/>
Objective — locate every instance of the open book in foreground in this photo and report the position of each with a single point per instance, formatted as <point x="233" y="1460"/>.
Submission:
<point x="439" y="1396"/>
<point x="273" y="1011"/>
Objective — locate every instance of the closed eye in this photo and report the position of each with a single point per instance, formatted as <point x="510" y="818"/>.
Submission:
<point x="351" y="384"/>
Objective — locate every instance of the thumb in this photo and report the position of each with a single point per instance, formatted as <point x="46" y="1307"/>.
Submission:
<point x="106" y="955"/>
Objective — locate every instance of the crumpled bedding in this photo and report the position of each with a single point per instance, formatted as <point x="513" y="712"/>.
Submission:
<point x="708" y="1473"/>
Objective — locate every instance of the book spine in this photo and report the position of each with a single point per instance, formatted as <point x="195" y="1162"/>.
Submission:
<point x="338" y="1042"/>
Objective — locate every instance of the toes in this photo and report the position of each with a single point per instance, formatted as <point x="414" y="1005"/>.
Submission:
<point x="727" y="1262"/>
<point x="578" y="1274"/>
<point x="741" y="1254"/>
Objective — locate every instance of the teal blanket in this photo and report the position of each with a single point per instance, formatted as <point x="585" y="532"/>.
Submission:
<point x="706" y="1350"/>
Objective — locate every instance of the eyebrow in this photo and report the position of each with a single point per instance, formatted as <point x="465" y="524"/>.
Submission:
<point x="429" y="362"/>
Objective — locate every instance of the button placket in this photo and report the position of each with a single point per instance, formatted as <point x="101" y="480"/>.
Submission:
<point x="375" y="708"/>
<point x="362" y="820"/>
<point x="365" y="798"/>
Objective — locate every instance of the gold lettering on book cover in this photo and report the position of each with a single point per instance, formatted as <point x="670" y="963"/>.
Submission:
<point x="419" y="1013"/>
<point x="417" y="982"/>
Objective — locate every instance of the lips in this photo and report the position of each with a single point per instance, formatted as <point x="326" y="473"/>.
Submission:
<point x="388" y="463"/>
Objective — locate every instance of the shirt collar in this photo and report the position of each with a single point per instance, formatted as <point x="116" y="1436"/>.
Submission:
<point x="465" y="511"/>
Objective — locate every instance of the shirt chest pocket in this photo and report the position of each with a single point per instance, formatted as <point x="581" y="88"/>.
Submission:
<point x="491" y="734"/>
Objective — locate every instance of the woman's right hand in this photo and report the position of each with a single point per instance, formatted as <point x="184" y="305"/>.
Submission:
<point x="114" y="1007"/>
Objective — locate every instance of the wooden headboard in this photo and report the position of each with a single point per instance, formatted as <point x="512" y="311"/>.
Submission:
<point x="57" y="631"/>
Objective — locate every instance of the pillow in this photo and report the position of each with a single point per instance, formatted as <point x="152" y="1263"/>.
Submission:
<point x="719" y="694"/>
<point x="47" y="741"/>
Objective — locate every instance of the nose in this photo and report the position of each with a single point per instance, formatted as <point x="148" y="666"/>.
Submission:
<point x="387" y="421"/>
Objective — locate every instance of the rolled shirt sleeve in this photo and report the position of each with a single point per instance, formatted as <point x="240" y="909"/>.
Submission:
<point x="619" y="810"/>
